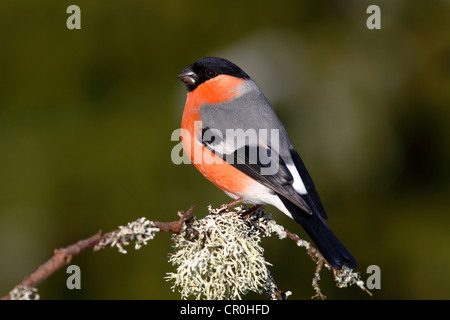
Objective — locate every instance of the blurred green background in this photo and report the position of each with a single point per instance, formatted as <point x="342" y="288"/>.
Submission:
<point x="86" y="118"/>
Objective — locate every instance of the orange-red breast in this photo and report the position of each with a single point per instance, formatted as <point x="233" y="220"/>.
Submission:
<point x="235" y="139"/>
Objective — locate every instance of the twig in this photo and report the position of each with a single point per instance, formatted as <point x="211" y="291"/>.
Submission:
<point x="317" y="257"/>
<point x="342" y="277"/>
<point x="63" y="256"/>
<point x="60" y="258"/>
<point x="175" y="226"/>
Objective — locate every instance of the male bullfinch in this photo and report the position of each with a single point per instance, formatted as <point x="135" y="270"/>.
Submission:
<point x="234" y="138"/>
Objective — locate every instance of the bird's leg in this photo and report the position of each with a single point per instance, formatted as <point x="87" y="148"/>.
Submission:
<point x="231" y="204"/>
<point x="251" y="210"/>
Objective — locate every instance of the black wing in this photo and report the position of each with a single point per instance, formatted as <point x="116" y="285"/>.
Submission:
<point x="309" y="184"/>
<point x="254" y="161"/>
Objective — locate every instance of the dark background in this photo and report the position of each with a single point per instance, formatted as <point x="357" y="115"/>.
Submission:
<point x="86" y="118"/>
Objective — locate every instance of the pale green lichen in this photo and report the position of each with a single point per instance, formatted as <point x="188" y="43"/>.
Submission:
<point x="223" y="258"/>
<point x="23" y="292"/>
<point x="140" y="231"/>
<point x="347" y="277"/>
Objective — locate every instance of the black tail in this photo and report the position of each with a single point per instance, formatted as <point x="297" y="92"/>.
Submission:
<point x="329" y="246"/>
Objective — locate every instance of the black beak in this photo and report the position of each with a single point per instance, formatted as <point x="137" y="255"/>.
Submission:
<point x="188" y="77"/>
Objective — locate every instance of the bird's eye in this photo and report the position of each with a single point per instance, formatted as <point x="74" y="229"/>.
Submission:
<point x="211" y="73"/>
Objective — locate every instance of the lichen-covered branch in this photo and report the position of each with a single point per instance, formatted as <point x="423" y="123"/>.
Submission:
<point x="222" y="260"/>
<point x="345" y="277"/>
<point x="139" y="231"/>
<point x="217" y="257"/>
<point x="317" y="257"/>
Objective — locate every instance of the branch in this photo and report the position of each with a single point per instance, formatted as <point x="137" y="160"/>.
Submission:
<point x="62" y="257"/>
<point x="175" y="226"/>
<point x="317" y="257"/>
<point x="345" y="277"/>
<point x="217" y="257"/>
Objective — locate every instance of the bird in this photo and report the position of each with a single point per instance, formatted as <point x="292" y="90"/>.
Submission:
<point x="232" y="135"/>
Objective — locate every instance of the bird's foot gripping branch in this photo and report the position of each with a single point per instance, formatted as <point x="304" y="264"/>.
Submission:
<point x="216" y="257"/>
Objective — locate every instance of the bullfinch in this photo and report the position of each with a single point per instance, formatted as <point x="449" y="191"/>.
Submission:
<point x="234" y="138"/>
